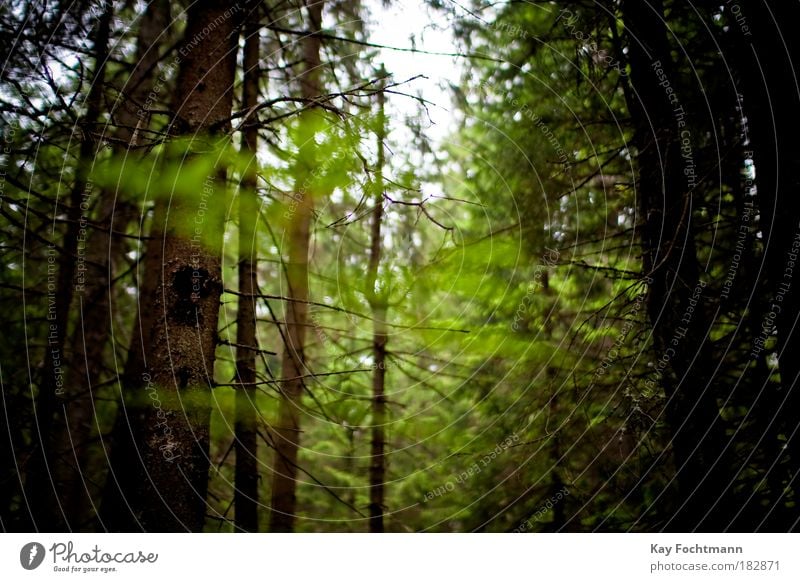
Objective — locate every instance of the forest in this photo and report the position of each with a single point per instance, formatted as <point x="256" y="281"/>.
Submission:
<point x="399" y="266"/>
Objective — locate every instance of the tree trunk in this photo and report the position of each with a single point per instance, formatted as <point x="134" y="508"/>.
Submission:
<point x="90" y="338"/>
<point x="167" y="409"/>
<point x="287" y="433"/>
<point x="559" y="520"/>
<point x="246" y="476"/>
<point x="669" y="259"/>
<point x="378" y="304"/>
<point x="50" y="463"/>
<point x="767" y="58"/>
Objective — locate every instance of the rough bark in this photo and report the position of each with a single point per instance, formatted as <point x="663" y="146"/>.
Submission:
<point x="287" y="433"/>
<point x="161" y="461"/>
<point x="245" y="499"/>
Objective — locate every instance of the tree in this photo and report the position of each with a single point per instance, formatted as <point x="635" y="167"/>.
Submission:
<point x="377" y="299"/>
<point x="298" y="231"/>
<point x="161" y="457"/>
<point x="765" y="54"/>
<point x="104" y="260"/>
<point x="54" y="410"/>
<point x="246" y="479"/>
<point x="675" y="295"/>
<point x="574" y="313"/>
